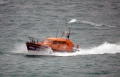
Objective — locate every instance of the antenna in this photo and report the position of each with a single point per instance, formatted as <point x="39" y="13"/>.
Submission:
<point x="68" y="35"/>
<point x="57" y="32"/>
<point x="57" y="28"/>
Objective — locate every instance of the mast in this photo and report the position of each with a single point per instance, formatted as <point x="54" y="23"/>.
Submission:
<point x="68" y="35"/>
<point x="57" y="28"/>
<point x="57" y="32"/>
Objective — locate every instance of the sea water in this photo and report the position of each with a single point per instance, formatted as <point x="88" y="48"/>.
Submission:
<point x="95" y="27"/>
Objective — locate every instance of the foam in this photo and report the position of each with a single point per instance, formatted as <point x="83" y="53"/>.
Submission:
<point x="95" y="24"/>
<point x="90" y="23"/>
<point x="105" y="48"/>
<point x="73" y="21"/>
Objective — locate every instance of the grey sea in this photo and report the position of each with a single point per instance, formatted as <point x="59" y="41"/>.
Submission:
<point x="95" y="26"/>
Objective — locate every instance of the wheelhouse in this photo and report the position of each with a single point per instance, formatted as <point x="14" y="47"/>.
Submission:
<point x="60" y="44"/>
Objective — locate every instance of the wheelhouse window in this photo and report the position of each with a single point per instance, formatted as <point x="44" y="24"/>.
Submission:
<point x="54" y="42"/>
<point x="59" y="42"/>
<point x="63" y="42"/>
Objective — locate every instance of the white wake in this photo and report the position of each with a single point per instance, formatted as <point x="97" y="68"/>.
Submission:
<point x="88" y="22"/>
<point x="106" y="48"/>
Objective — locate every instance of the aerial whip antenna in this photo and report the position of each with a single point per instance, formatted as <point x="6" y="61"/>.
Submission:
<point x="57" y="28"/>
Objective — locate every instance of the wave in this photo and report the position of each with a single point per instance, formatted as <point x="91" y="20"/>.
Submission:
<point x="73" y="21"/>
<point x="19" y="48"/>
<point x="3" y="2"/>
<point x="105" y="48"/>
<point x="95" y="24"/>
<point x="22" y="49"/>
<point x="88" y="22"/>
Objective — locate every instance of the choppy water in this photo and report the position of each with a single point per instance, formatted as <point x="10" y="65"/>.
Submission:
<point x="94" y="26"/>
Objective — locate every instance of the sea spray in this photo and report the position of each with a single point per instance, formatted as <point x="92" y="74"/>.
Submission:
<point x="22" y="49"/>
<point x="105" y="48"/>
<point x="95" y="24"/>
<point x="19" y="48"/>
<point x="88" y="22"/>
<point x="73" y="21"/>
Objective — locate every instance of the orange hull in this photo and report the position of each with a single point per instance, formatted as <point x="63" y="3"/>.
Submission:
<point x="56" y="44"/>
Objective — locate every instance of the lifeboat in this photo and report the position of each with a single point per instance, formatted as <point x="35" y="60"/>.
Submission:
<point x="57" y="44"/>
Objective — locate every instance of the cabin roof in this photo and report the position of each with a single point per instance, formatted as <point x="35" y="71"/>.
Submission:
<point x="57" y="39"/>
